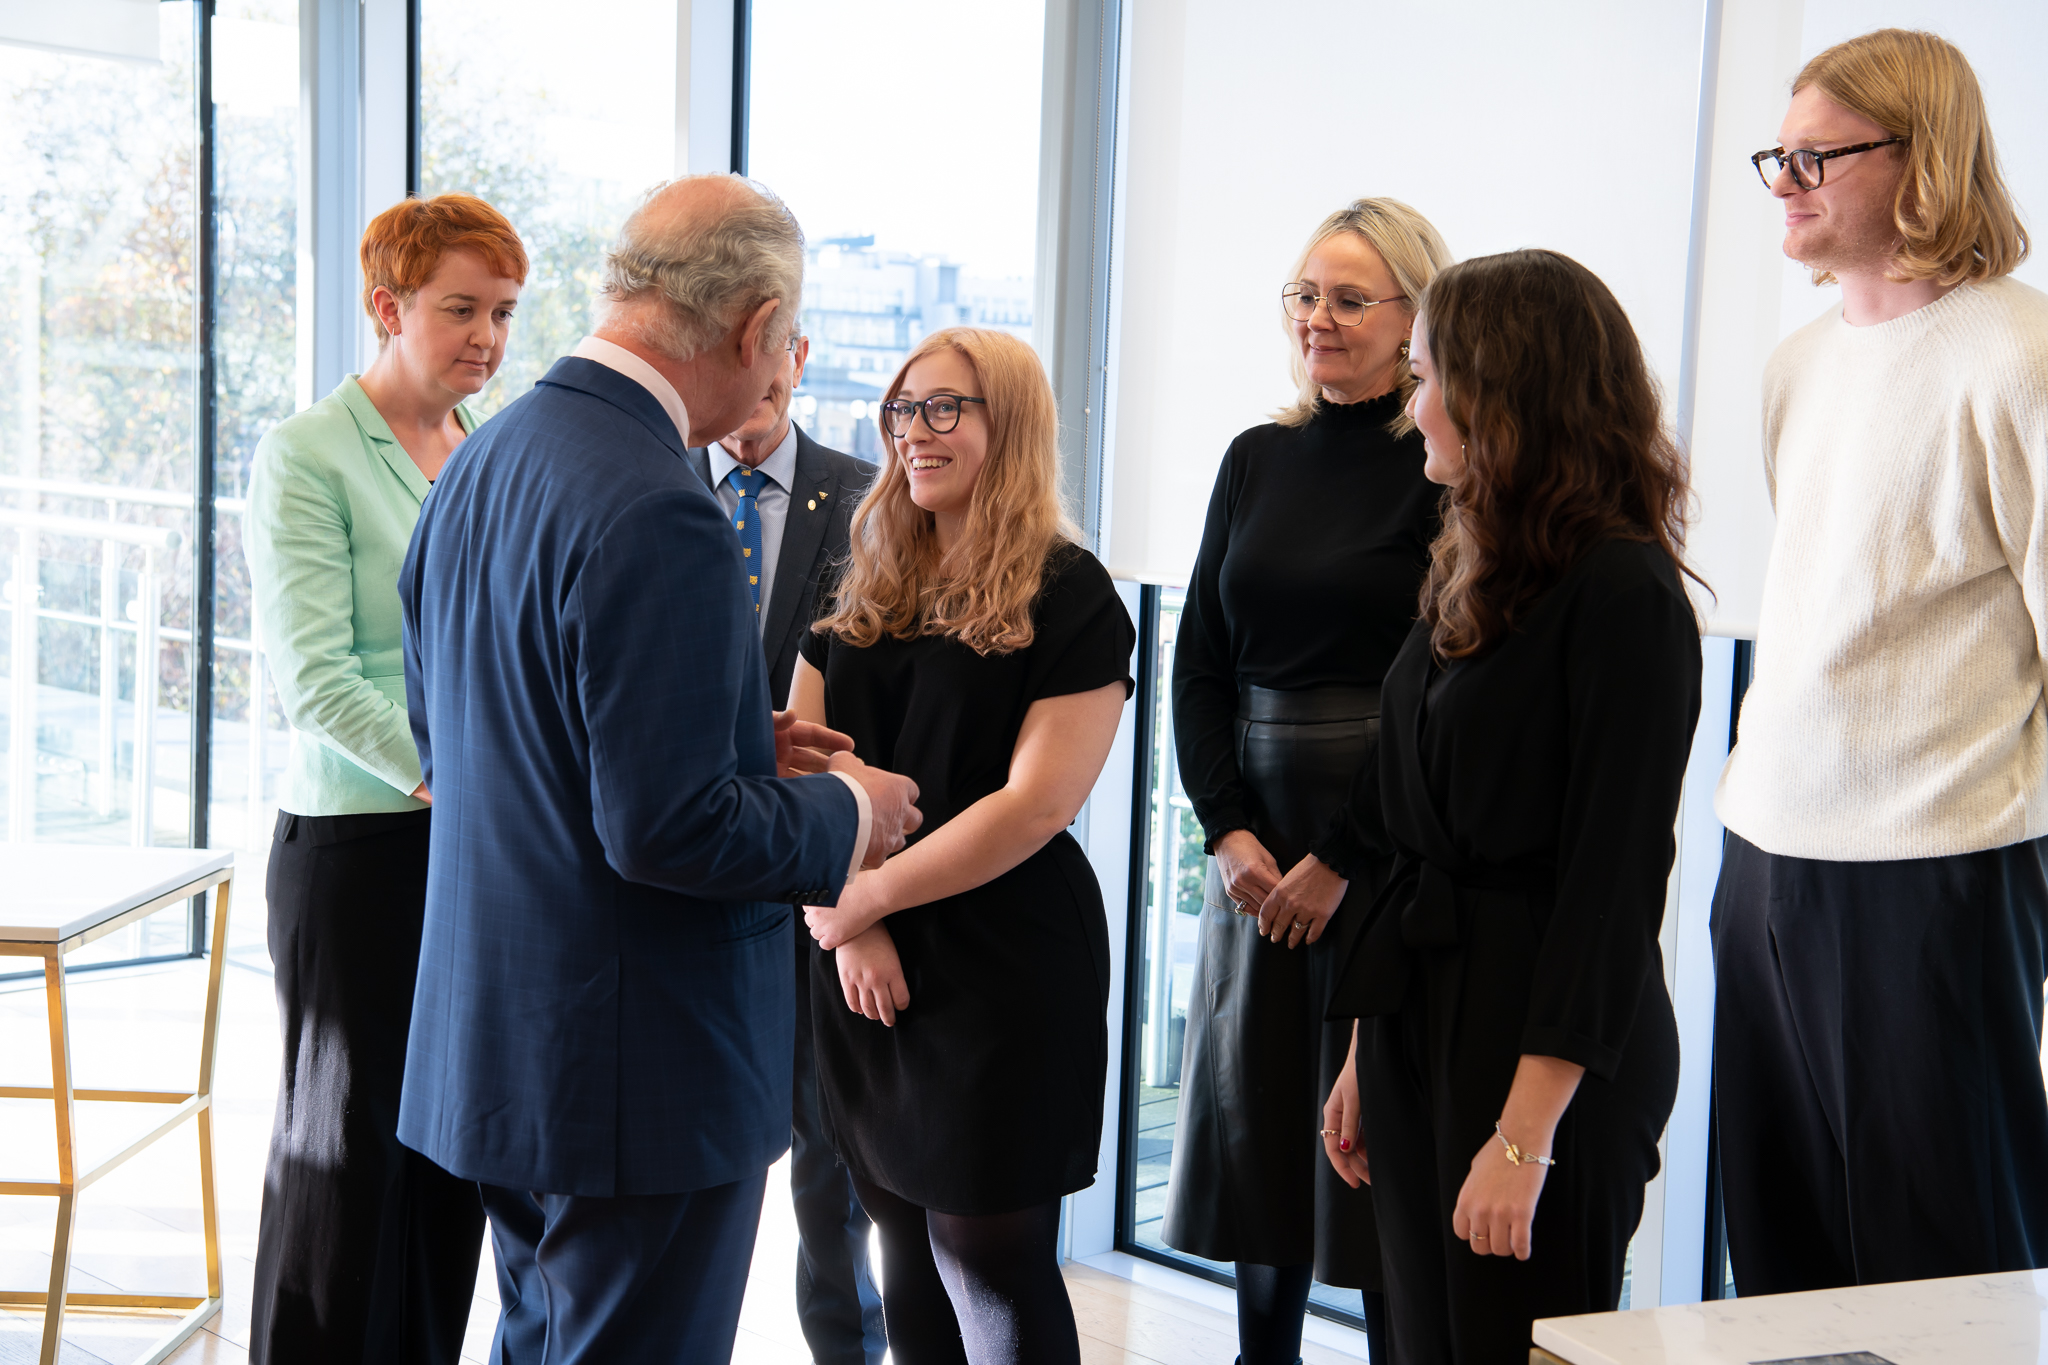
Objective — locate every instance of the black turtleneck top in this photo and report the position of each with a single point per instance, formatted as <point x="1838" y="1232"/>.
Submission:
<point x="1312" y="556"/>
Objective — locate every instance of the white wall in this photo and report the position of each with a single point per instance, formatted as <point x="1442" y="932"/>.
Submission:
<point x="1568" y="125"/>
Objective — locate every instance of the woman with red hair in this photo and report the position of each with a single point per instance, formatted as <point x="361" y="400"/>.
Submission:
<point x="1517" y="1057"/>
<point x="367" y="1251"/>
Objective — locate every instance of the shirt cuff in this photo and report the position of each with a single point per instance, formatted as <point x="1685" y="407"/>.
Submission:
<point x="867" y="820"/>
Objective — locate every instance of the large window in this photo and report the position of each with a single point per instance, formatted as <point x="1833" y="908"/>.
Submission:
<point x="98" y="257"/>
<point x="562" y="125"/>
<point x="103" y="434"/>
<point x="907" y="146"/>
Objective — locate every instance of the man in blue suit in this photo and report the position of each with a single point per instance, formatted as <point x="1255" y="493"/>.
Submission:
<point x="602" y="1029"/>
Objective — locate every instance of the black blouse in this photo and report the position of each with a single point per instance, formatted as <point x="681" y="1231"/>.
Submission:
<point x="1314" y="550"/>
<point x="1550" y="765"/>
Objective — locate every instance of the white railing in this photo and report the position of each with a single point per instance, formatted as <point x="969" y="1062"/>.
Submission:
<point x="141" y="617"/>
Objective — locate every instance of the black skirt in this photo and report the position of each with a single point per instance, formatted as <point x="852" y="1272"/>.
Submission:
<point x="1249" y="1180"/>
<point x="986" y="1097"/>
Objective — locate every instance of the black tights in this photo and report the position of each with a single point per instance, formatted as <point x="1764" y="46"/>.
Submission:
<point x="1270" y="1302"/>
<point x="979" y="1288"/>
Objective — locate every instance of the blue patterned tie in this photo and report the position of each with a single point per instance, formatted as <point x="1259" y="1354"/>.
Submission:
<point x="747" y="521"/>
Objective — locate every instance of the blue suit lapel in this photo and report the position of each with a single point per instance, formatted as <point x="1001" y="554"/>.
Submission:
<point x="601" y="381"/>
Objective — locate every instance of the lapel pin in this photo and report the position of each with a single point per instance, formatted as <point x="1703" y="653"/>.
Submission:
<point x="812" y="504"/>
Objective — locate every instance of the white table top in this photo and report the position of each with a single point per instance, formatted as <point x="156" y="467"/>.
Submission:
<point x="48" y="892"/>
<point x="1972" y="1320"/>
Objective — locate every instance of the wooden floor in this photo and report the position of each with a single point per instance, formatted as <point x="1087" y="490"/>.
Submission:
<point x="138" y="1229"/>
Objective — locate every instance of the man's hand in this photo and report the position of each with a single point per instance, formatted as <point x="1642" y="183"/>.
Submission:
<point x="802" y="746"/>
<point x="892" y="805"/>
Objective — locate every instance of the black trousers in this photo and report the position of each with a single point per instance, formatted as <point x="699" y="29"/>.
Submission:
<point x="837" y="1304"/>
<point x="367" y="1251"/>
<point x="1877" y="1066"/>
<point x="1432" y="1079"/>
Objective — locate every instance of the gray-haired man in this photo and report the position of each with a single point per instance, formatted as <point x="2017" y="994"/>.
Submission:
<point x="602" y="1029"/>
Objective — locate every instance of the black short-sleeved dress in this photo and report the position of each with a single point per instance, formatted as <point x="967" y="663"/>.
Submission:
<point x="986" y="1097"/>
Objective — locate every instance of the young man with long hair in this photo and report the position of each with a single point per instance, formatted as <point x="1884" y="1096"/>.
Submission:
<point x="1881" y="925"/>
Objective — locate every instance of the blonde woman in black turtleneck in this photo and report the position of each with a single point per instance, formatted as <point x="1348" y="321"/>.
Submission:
<point x="1305" y="586"/>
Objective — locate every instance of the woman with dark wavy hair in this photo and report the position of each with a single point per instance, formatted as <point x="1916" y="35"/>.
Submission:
<point x="1516" y="1056"/>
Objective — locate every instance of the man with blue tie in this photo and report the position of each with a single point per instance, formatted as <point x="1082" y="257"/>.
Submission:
<point x="791" y="502"/>
<point x="602" y="1028"/>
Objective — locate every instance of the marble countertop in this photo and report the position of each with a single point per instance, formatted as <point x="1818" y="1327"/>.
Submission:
<point x="52" y="891"/>
<point x="1972" y="1320"/>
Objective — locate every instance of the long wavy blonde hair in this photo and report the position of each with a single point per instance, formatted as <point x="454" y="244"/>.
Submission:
<point x="898" y="583"/>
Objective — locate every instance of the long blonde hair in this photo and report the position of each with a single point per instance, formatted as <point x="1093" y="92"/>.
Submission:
<point x="897" y="582"/>
<point x="1414" y="252"/>
<point x="1955" y="216"/>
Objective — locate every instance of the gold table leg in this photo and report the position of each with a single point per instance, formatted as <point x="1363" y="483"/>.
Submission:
<point x="65" y="1187"/>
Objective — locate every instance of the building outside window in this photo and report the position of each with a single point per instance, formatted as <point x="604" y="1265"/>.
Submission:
<point x="919" y="198"/>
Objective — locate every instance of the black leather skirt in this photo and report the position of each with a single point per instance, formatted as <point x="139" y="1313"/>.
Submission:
<point x="1249" y="1180"/>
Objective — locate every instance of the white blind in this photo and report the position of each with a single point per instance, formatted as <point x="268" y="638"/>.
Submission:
<point x="1566" y="125"/>
<point x="125" y="29"/>
<point x="1570" y="125"/>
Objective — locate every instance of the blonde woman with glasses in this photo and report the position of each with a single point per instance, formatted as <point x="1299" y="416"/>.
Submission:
<point x="1305" y="585"/>
<point x="959" y="992"/>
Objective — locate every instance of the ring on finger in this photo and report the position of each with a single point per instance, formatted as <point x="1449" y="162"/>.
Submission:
<point x="1330" y="1132"/>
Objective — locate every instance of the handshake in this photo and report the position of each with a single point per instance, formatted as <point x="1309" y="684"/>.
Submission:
<point x="804" y="747"/>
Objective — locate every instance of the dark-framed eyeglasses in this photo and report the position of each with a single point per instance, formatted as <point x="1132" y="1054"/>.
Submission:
<point x="1808" y="167"/>
<point x="1347" y="306"/>
<point x="941" y="413"/>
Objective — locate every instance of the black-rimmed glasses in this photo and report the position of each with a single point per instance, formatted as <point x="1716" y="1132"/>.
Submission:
<point x="1347" y="306"/>
<point x="941" y="413"/>
<point x="1808" y="167"/>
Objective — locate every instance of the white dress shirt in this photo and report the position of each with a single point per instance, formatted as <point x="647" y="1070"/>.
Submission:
<point x="771" y="503"/>
<point x="613" y="356"/>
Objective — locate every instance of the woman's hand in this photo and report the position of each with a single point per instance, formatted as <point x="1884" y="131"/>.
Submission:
<point x="859" y="907"/>
<point x="1496" y="1208"/>
<point x="1497" y="1205"/>
<point x="420" y="793"/>
<point x="1341" y="1142"/>
<point x="1299" y="909"/>
<point x="872" y="975"/>
<point x="1248" y="871"/>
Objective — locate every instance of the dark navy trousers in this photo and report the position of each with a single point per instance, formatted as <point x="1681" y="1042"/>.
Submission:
<point x="1877" y="1066"/>
<point x="837" y="1303"/>
<point x="653" y="1279"/>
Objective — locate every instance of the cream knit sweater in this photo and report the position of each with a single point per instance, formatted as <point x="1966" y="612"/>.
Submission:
<point x="1897" y="708"/>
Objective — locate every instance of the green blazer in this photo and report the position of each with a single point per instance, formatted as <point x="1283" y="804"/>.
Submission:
<point x="332" y="502"/>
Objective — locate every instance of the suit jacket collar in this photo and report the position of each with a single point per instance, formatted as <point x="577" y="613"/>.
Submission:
<point x="627" y="394"/>
<point x="378" y="433"/>
<point x="811" y="501"/>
